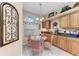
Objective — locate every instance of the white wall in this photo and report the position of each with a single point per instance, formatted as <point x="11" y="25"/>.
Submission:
<point x="15" y="48"/>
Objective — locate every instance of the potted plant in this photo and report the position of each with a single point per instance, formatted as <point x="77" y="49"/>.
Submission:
<point x="65" y="8"/>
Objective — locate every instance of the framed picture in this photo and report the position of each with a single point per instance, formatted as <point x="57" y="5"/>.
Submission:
<point x="9" y="24"/>
<point x="51" y="14"/>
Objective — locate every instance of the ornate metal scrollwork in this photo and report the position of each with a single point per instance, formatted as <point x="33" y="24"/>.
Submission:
<point x="9" y="24"/>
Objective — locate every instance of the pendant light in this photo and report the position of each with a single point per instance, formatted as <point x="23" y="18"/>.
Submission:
<point x="41" y="18"/>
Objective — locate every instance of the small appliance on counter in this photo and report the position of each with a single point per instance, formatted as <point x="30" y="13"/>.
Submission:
<point x="56" y="31"/>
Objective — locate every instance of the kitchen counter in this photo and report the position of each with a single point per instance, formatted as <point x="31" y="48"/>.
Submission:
<point x="72" y="37"/>
<point x="69" y="35"/>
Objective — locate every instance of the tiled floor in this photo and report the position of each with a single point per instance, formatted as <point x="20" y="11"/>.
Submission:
<point x="55" y="52"/>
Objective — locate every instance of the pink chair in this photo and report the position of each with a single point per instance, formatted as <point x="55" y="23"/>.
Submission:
<point x="36" y="46"/>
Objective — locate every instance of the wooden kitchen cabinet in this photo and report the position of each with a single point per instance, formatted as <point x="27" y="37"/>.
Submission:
<point x="72" y="46"/>
<point x="62" y="42"/>
<point x="75" y="47"/>
<point x="43" y="24"/>
<point x="69" y="20"/>
<point x="54" y="40"/>
<point x="64" y="21"/>
<point x="74" y="20"/>
<point x="58" y="41"/>
<point x="68" y="44"/>
<point x="65" y="43"/>
<point x="46" y="24"/>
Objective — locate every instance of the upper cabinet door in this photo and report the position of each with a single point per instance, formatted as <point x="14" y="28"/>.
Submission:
<point x="43" y="25"/>
<point x="64" y="21"/>
<point x="74" y="20"/>
<point x="70" y="21"/>
<point x="9" y="24"/>
<point x="46" y="24"/>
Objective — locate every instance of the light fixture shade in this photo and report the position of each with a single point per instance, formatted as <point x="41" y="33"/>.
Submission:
<point x="42" y="19"/>
<point x="37" y="18"/>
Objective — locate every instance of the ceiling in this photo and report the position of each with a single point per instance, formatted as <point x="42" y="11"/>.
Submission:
<point x="46" y="7"/>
